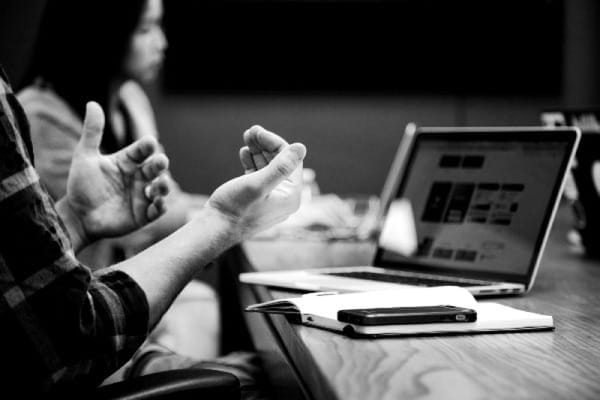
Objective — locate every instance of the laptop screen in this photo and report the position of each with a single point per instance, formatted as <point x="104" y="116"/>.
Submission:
<point x="481" y="201"/>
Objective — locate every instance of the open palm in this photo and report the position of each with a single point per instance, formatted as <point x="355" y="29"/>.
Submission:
<point x="115" y="194"/>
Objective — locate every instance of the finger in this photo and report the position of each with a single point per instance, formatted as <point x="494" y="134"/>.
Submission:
<point x="263" y="145"/>
<point x="156" y="209"/>
<point x="137" y="152"/>
<point x="158" y="187"/>
<point x="154" y="166"/>
<point x="258" y="158"/>
<point x="263" y="140"/>
<point x="246" y="160"/>
<point x="93" y="126"/>
<point x="268" y="156"/>
<point x="282" y="167"/>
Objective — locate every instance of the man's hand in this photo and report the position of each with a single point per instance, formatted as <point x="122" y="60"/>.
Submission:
<point x="111" y="195"/>
<point x="269" y="191"/>
<point x="265" y="195"/>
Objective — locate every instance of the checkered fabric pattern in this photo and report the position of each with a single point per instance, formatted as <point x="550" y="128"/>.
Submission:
<point x="61" y="326"/>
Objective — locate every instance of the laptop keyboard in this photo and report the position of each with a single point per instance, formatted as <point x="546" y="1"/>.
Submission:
<point x="407" y="280"/>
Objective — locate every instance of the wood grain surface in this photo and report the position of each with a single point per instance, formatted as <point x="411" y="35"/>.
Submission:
<point x="561" y="364"/>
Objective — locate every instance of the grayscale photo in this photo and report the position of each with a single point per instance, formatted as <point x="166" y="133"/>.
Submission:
<point x="300" y="199"/>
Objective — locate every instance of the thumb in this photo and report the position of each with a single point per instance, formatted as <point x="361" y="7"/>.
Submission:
<point x="93" y="126"/>
<point x="281" y="167"/>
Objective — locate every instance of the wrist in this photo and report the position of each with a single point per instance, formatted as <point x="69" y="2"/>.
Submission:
<point x="226" y="227"/>
<point x="75" y="228"/>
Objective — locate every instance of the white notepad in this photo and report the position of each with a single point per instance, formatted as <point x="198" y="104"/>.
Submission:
<point x="320" y="310"/>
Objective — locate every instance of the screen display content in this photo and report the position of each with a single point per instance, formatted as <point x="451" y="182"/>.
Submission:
<point x="479" y="205"/>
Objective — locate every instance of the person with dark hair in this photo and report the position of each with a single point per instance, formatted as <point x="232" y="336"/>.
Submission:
<point x="104" y="50"/>
<point x="103" y="54"/>
<point x="66" y="328"/>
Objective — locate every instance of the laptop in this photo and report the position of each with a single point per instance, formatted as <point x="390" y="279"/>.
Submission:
<point x="483" y="201"/>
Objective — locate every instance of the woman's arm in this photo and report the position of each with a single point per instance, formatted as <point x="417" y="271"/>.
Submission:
<point x="180" y="204"/>
<point x="180" y="207"/>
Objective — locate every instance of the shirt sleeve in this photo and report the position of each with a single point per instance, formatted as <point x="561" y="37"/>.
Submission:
<point x="60" y="324"/>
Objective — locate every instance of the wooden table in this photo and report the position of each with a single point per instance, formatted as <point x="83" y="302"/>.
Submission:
<point x="310" y="363"/>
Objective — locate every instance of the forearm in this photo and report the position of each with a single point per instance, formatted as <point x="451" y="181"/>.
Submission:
<point x="165" y="268"/>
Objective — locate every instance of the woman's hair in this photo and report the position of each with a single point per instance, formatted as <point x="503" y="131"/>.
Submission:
<point x="81" y="48"/>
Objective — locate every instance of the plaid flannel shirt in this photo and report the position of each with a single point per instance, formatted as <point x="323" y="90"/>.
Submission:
<point x="61" y="326"/>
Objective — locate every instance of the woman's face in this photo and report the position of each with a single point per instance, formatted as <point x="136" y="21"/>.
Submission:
<point x="147" y="45"/>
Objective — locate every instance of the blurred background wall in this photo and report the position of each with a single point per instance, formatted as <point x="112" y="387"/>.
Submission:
<point x="345" y="80"/>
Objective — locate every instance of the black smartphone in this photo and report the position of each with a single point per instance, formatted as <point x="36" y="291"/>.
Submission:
<point x="407" y="315"/>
